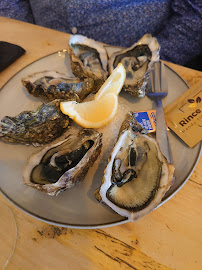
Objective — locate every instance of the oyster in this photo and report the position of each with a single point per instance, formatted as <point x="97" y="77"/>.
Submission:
<point x="137" y="175"/>
<point x="61" y="165"/>
<point x="54" y="85"/>
<point x="138" y="61"/>
<point x="88" y="58"/>
<point x="40" y="126"/>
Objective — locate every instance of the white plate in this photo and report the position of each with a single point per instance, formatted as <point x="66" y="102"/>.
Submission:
<point x="77" y="207"/>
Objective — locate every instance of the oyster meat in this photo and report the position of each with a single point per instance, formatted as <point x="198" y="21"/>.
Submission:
<point x="52" y="85"/>
<point x="137" y="175"/>
<point x="88" y="58"/>
<point x="138" y="61"/>
<point x="40" y="126"/>
<point x="61" y="165"/>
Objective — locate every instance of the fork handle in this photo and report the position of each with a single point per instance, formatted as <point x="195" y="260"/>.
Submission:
<point x="161" y="132"/>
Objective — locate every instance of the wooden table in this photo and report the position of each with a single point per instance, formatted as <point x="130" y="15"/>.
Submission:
<point x="168" y="238"/>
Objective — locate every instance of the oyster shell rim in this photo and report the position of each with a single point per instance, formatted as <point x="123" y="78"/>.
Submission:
<point x="55" y="188"/>
<point x="78" y="69"/>
<point x="165" y="180"/>
<point x="139" y="88"/>
<point x="31" y="86"/>
<point x="28" y="139"/>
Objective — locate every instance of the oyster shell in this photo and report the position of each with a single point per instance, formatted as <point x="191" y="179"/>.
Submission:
<point x="40" y="126"/>
<point x="137" y="175"/>
<point x="138" y="61"/>
<point x="88" y="58"/>
<point x="61" y="165"/>
<point x="54" y="85"/>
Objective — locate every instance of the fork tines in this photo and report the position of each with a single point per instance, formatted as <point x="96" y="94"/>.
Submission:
<point x="158" y="78"/>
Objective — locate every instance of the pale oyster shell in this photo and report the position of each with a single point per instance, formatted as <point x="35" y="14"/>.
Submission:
<point x="135" y="195"/>
<point x="138" y="61"/>
<point x="52" y="85"/>
<point x="88" y="58"/>
<point x="61" y="165"/>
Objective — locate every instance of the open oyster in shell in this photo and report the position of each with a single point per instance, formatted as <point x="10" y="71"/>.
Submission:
<point x="138" y="61"/>
<point x="40" y="126"/>
<point x="88" y="58"/>
<point x="52" y="85"/>
<point x="61" y="165"/>
<point x="137" y="175"/>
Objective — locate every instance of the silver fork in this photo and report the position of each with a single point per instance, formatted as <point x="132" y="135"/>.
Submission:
<point x="157" y="91"/>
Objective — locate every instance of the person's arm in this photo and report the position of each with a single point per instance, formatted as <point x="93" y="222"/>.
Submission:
<point x="181" y="38"/>
<point x="16" y="9"/>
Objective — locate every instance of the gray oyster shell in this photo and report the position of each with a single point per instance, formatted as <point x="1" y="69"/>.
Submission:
<point x="138" y="61"/>
<point x="40" y="126"/>
<point x="61" y="165"/>
<point x="137" y="175"/>
<point x="88" y="59"/>
<point x="52" y="85"/>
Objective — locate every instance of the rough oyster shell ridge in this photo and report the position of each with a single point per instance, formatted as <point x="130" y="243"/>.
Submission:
<point x="52" y="85"/>
<point x="40" y="126"/>
<point x="75" y="174"/>
<point x="78" y="68"/>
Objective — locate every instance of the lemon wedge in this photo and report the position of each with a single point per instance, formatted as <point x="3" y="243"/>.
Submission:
<point x="92" y="114"/>
<point x="114" y="83"/>
<point x="102" y="109"/>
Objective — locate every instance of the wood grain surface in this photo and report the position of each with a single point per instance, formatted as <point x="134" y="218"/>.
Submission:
<point x="168" y="238"/>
